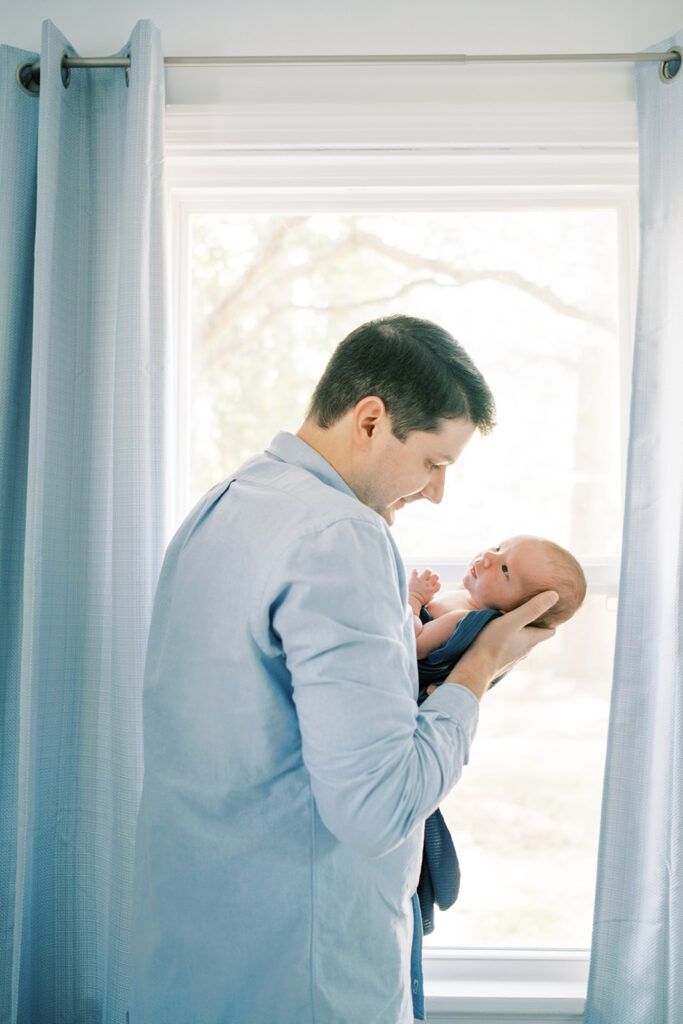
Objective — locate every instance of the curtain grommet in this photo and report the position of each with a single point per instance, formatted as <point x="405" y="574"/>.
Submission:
<point x="66" y="70"/>
<point x="666" y="73"/>
<point x="28" y="78"/>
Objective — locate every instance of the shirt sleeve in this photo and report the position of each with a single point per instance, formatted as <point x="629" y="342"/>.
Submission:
<point x="378" y="764"/>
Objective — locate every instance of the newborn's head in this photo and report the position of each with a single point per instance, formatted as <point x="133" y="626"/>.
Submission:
<point x="509" y="573"/>
<point x="558" y="570"/>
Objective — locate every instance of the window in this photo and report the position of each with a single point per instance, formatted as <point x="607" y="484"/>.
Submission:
<point x="532" y="271"/>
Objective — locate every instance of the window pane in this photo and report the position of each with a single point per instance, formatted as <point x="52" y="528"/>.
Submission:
<point x="532" y="295"/>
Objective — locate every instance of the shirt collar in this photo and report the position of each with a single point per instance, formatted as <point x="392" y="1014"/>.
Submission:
<point x="291" y="449"/>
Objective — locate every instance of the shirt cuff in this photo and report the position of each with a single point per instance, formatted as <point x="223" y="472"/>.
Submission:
<point x="456" y="702"/>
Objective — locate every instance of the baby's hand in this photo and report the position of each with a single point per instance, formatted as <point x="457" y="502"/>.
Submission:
<point x="423" y="585"/>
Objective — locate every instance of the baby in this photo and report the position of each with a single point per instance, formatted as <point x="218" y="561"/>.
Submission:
<point x="498" y="579"/>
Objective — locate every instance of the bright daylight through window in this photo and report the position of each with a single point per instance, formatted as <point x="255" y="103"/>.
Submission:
<point x="533" y="296"/>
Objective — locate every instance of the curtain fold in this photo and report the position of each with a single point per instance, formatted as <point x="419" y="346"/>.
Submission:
<point x="636" y="974"/>
<point x="83" y="315"/>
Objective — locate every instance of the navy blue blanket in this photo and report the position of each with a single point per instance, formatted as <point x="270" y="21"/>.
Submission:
<point x="436" y="666"/>
<point x="440" y="874"/>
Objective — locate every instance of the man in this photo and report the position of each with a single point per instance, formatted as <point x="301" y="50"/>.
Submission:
<point x="288" y="770"/>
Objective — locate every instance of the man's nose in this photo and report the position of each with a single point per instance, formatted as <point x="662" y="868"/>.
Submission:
<point x="435" y="488"/>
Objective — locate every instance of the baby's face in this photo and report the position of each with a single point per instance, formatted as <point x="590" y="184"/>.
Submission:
<point x="503" y="576"/>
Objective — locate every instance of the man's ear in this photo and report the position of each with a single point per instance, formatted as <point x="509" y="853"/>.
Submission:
<point x="369" y="415"/>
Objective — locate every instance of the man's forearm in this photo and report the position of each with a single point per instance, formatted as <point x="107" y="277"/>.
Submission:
<point x="476" y="670"/>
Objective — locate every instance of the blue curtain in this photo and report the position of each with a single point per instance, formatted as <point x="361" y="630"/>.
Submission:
<point x="636" y="974"/>
<point x="82" y="344"/>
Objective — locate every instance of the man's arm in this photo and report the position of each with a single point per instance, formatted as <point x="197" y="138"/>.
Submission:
<point x="501" y="644"/>
<point x="378" y="764"/>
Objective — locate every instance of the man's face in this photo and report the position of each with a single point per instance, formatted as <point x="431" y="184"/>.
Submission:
<point x="405" y="471"/>
<point x="504" y="575"/>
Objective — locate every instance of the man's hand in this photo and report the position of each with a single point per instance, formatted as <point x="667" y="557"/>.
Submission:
<point x="501" y="644"/>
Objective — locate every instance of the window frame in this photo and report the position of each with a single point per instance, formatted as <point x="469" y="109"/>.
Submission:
<point x="314" y="157"/>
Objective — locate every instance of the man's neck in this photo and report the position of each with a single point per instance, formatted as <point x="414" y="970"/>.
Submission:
<point x="331" y="443"/>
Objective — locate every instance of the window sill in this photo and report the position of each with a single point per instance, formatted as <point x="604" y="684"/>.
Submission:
<point x="498" y="986"/>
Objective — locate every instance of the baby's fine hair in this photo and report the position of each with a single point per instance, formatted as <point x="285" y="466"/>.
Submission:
<point x="567" y="579"/>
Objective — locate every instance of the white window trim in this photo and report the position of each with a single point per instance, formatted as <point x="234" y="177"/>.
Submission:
<point x="320" y="156"/>
<point x="490" y="986"/>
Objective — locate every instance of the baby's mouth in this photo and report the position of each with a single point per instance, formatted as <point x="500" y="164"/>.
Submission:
<point x="473" y="570"/>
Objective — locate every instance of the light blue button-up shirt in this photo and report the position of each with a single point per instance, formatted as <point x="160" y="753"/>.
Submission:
<point x="288" y="769"/>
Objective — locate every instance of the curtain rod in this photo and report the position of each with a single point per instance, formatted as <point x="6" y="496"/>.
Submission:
<point x="435" y="58"/>
<point x="670" y="61"/>
<point x="672" y="55"/>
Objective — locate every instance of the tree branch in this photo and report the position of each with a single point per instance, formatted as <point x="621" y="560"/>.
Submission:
<point x="255" y="288"/>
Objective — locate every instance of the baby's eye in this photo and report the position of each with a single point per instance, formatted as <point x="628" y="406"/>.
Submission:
<point x="505" y="570"/>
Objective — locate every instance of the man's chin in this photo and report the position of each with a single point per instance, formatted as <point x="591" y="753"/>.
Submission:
<point x="389" y="513"/>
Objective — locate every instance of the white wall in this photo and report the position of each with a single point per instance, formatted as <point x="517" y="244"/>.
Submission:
<point x="206" y="27"/>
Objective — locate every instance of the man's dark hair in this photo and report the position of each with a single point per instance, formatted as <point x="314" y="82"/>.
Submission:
<point x="418" y="369"/>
